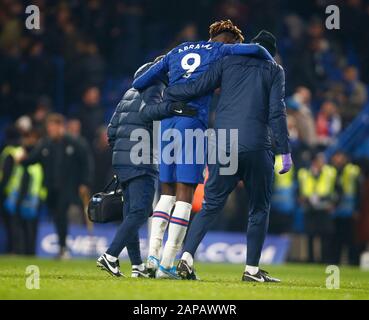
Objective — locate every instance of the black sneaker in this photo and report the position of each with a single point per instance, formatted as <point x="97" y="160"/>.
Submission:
<point x="260" y="276"/>
<point x="137" y="273"/>
<point x="112" y="267"/>
<point x="185" y="271"/>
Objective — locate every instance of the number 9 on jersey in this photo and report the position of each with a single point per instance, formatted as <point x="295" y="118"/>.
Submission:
<point x="190" y="63"/>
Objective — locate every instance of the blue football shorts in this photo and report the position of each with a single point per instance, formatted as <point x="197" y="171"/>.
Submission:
<point x="183" y="156"/>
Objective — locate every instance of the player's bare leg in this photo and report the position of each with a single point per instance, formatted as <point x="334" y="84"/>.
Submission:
<point x="159" y="224"/>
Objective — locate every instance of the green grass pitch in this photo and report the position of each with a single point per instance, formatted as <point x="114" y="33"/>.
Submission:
<point x="80" y="279"/>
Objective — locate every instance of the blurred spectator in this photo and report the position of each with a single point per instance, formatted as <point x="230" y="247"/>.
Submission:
<point x="328" y="123"/>
<point x="92" y="64"/>
<point x="300" y="151"/>
<point x="320" y="56"/>
<point x="102" y="157"/>
<point x="317" y="197"/>
<point x="37" y="75"/>
<point x="296" y="28"/>
<point x="25" y="193"/>
<point x="87" y="69"/>
<point x="43" y="108"/>
<point x="23" y="124"/>
<point x="62" y="34"/>
<point x="91" y="113"/>
<point x="293" y="130"/>
<point x="67" y="173"/>
<point x="7" y="169"/>
<point x="312" y="62"/>
<point x="73" y="127"/>
<point x="11" y="22"/>
<point x="355" y="94"/>
<point x="300" y="107"/>
<point x="354" y="20"/>
<point x="292" y="47"/>
<point x="348" y="186"/>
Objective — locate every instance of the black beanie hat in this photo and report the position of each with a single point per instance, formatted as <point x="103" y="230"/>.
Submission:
<point x="267" y="40"/>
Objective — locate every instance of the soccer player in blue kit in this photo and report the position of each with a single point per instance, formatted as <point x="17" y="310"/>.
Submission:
<point x="179" y="179"/>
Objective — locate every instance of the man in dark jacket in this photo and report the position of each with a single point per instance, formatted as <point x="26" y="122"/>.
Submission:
<point x="68" y="169"/>
<point x="133" y="116"/>
<point x="91" y="113"/>
<point x="251" y="101"/>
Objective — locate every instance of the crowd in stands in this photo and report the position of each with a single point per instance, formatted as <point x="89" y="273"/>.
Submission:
<point x="83" y="57"/>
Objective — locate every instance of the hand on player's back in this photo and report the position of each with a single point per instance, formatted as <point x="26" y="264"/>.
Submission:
<point x="182" y="109"/>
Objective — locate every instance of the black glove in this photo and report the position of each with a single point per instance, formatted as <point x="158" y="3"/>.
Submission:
<point x="182" y="109"/>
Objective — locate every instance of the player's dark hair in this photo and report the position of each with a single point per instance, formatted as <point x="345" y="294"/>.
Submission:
<point x="222" y="26"/>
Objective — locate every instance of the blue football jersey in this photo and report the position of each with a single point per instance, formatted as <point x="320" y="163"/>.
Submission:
<point x="189" y="60"/>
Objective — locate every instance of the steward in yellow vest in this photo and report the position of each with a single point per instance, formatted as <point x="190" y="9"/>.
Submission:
<point x="7" y="167"/>
<point x="23" y="194"/>
<point x="317" y="186"/>
<point x="317" y="191"/>
<point x="348" y="185"/>
<point x="24" y="189"/>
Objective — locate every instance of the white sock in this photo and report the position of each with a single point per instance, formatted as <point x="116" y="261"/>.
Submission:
<point x="159" y="223"/>
<point x="188" y="258"/>
<point x="110" y="258"/>
<point x="252" y="270"/>
<point x="177" y="231"/>
<point x="140" y="267"/>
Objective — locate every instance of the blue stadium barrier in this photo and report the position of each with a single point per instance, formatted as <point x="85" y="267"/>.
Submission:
<point x="221" y="247"/>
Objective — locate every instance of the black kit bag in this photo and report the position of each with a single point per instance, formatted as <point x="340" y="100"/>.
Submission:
<point x="107" y="206"/>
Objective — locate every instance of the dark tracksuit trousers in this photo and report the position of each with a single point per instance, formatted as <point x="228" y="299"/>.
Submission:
<point x="138" y="195"/>
<point x="256" y="170"/>
<point x="58" y="205"/>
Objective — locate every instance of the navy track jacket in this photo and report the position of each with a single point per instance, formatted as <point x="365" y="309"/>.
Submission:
<point x="251" y="100"/>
